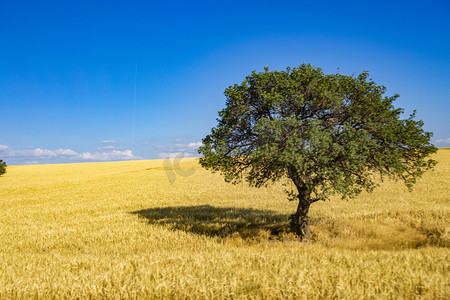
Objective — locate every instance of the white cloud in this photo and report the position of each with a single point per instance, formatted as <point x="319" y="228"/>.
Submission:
<point x="4" y="148"/>
<point x="110" y="142"/>
<point x="178" y="150"/>
<point x="65" y="152"/>
<point x="112" y="155"/>
<point x="110" y="147"/>
<point x="38" y="153"/>
<point x="443" y="141"/>
<point x="178" y="147"/>
<point x="41" y="153"/>
<point x="194" y="146"/>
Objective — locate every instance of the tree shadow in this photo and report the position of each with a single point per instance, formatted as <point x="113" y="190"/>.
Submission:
<point x="218" y="221"/>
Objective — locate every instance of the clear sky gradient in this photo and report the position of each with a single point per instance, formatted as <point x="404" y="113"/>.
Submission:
<point x="114" y="80"/>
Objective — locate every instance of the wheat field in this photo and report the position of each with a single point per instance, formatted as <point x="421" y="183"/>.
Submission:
<point x="154" y="229"/>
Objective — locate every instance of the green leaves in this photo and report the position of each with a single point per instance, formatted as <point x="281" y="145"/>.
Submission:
<point x="2" y="167"/>
<point x="328" y="133"/>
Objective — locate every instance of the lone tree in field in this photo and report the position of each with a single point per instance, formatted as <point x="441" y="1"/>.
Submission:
<point x="329" y="134"/>
<point x="2" y="167"/>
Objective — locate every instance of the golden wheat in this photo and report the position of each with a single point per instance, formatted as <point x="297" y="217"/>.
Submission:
<point x="138" y="229"/>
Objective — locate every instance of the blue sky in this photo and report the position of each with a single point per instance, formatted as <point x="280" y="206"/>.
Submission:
<point x="108" y="80"/>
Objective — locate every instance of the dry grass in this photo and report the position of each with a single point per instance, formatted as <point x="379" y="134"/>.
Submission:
<point x="121" y="230"/>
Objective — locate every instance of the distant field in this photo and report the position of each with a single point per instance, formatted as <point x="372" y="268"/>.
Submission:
<point x="138" y="229"/>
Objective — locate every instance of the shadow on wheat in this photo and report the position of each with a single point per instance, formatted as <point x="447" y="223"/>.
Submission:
<point x="218" y="221"/>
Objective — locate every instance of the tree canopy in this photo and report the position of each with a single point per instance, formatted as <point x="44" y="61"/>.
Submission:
<point x="329" y="134"/>
<point x="2" y="167"/>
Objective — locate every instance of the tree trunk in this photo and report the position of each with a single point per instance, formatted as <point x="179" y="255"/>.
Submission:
<point x="299" y="222"/>
<point x="302" y="220"/>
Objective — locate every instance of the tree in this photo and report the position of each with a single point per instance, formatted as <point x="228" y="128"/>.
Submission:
<point x="2" y="167"/>
<point x="329" y="134"/>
